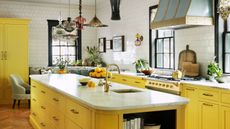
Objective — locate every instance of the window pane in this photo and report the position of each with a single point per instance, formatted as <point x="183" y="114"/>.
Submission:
<point x="166" y="45"/>
<point x="165" y="33"/>
<point x="160" y="60"/>
<point x="160" y="47"/>
<point x="54" y="61"/>
<point x="227" y="63"/>
<point x="227" y="43"/>
<point x="71" y="51"/>
<point x="63" y="42"/>
<point x="71" y="59"/>
<point x="172" y="45"/>
<point x="55" y="51"/>
<point x="172" y="61"/>
<point x="71" y="42"/>
<point x="55" y="42"/>
<point x="166" y="60"/>
<point x="64" y="51"/>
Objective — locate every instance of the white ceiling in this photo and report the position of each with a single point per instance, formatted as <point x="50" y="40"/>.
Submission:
<point x="84" y="2"/>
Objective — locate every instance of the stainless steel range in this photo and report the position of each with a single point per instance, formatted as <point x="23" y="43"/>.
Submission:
<point x="162" y="85"/>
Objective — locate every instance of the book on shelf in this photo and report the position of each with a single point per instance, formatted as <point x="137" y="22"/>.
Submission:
<point x="133" y="123"/>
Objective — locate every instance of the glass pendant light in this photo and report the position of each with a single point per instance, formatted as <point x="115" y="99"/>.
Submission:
<point x="80" y="20"/>
<point x="115" y="6"/>
<point x="68" y="24"/>
<point x="95" y="22"/>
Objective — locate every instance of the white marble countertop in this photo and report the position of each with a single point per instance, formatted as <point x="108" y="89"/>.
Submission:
<point x="68" y="84"/>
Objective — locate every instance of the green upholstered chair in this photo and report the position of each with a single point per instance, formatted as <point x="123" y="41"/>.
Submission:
<point x="20" y="89"/>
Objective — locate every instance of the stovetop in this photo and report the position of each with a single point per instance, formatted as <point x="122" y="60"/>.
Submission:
<point x="170" y="78"/>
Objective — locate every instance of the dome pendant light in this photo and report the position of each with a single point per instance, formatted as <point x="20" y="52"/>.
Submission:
<point x="95" y="22"/>
<point x="115" y="6"/>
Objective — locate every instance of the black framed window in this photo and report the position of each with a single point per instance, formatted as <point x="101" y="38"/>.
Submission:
<point x="164" y="49"/>
<point x="226" y="52"/>
<point x="161" y="45"/>
<point x="66" y="49"/>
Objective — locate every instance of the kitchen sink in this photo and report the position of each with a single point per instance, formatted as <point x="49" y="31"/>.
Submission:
<point x="125" y="91"/>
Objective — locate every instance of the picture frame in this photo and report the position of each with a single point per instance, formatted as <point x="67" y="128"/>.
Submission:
<point x="119" y="43"/>
<point x="109" y="44"/>
<point x="102" y="44"/>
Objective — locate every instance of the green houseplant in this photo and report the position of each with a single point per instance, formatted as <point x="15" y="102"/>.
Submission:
<point x="140" y="64"/>
<point x="214" y="70"/>
<point x="61" y="63"/>
<point x="94" y="56"/>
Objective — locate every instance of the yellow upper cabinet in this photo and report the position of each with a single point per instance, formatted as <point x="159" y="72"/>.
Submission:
<point x="13" y="53"/>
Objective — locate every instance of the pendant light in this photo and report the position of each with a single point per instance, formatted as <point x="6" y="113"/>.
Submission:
<point x="80" y="20"/>
<point x="95" y="22"/>
<point x="68" y="24"/>
<point x="115" y="7"/>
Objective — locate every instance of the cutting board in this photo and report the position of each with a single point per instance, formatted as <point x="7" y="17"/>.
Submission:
<point x="186" y="56"/>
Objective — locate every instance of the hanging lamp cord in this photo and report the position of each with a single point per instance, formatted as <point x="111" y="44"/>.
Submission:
<point x="80" y="7"/>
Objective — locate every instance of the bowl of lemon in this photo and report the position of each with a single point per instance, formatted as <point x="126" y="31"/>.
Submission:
<point x="98" y="72"/>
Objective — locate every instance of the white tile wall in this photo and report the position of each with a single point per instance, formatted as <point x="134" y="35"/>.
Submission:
<point x="38" y="34"/>
<point x="134" y="19"/>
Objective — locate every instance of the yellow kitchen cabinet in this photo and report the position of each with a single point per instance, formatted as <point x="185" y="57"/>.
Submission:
<point x="208" y="115"/>
<point x="128" y="80"/>
<point x="13" y="54"/>
<point x="225" y="117"/>
<point x="191" y="109"/>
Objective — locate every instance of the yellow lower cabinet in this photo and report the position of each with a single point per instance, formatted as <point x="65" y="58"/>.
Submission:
<point x="71" y="125"/>
<point x="191" y="109"/>
<point x="107" y="121"/>
<point x="57" y="119"/>
<point x="225" y="117"/>
<point x="208" y="115"/>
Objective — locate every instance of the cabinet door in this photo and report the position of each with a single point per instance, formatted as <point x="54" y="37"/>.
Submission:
<point x="191" y="110"/>
<point x="16" y="51"/>
<point x="208" y="115"/>
<point x="1" y="65"/>
<point x="225" y="117"/>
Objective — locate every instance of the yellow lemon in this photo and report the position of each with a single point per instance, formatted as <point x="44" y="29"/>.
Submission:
<point x="103" y="74"/>
<point x="98" y="70"/>
<point x="98" y="75"/>
<point x="103" y="69"/>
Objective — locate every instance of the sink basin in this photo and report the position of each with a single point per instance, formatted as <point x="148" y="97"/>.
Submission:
<point x="126" y="91"/>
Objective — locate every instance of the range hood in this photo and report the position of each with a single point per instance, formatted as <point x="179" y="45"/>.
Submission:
<point x="178" y="14"/>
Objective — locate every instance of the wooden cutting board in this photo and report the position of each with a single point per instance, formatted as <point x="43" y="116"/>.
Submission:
<point x="186" y="56"/>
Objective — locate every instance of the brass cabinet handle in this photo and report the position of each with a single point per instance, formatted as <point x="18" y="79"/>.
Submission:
<point x="34" y="99"/>
<point x="42" y="124"/>
<point x="124" y="80"/>
<point x="34" y="86"/>
<point x="43" y="107"/>
<point x="34" y="114"/>
<point x="55" y="99"/>
<point x="206" y="104"/>
<point x="5" y="55"/>
<point x="2" y="55"/>
<point x="43" y="91"/>
<point x="190" y="89"/>
<point x="55" y="118"/>
<point x="206" y="94"/>
<point x="74" y="112"/>
<point x="137" y="82"/>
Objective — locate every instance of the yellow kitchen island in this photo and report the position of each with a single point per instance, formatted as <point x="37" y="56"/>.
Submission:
<point x="58" y="101"/>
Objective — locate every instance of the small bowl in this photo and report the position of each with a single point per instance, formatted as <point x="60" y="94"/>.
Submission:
<point x="83" y="83"/>
<point x="147" y="72"/>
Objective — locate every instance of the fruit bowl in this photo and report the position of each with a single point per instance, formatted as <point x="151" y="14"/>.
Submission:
<point x="84" y="81"/>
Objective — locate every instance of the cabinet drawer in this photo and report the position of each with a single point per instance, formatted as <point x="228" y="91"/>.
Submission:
<point x="225" y="97"/>
<point x="71" y="125"/>
<point x="78" y="114"/>
<point x="57" y="100"/>
<point x="210" y="95"/>
<point x="57" y="119"/>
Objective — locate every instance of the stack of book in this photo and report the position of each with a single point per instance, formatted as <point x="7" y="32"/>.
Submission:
<point x="133" y="123"/>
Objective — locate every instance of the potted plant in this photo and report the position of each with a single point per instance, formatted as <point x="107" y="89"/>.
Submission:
<point x="140" y="64"/>
<point x="214" y="71"/>
<point x="94" y="56"/>
<point x="61" y="63"/>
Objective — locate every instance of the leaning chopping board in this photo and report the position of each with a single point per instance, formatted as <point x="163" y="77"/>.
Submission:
<point x="186" y="56"/>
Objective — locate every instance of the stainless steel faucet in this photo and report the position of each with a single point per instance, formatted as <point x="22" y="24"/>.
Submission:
<point x="106" y="85"/>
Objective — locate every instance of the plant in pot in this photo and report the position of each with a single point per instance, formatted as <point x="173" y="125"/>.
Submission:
<point x="214" y="71"/>
<point x="94" y="56"/>
<point x="140" y="64"/>
<point x="61" y="63"/>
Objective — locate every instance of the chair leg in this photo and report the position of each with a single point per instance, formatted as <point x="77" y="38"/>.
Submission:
<point x="14" y="103"/>
<point x="29" y="103"/>
<point x="18" y="103"/>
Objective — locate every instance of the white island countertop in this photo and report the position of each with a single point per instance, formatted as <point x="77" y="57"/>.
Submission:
<point x="69" y="85"/>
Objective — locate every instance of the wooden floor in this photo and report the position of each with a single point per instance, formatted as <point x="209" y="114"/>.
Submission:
<point x="17" y="118"/>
